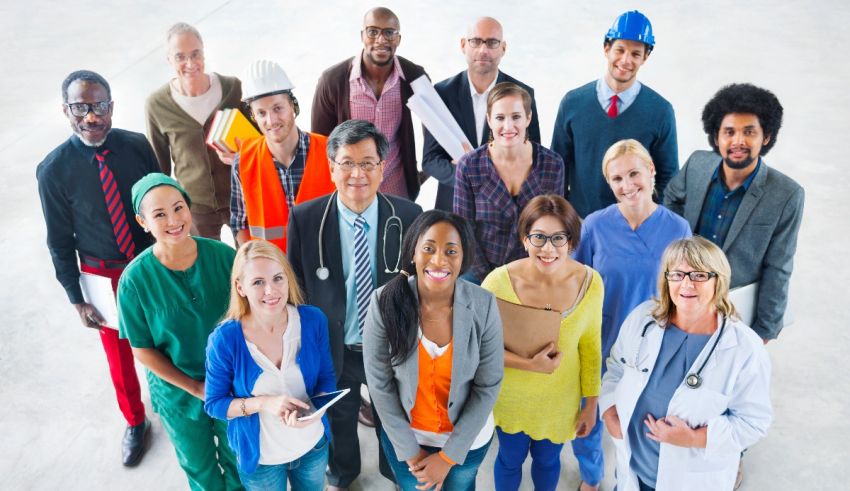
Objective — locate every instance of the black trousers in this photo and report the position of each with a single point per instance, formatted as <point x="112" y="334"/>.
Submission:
<point x="344" y="458"/>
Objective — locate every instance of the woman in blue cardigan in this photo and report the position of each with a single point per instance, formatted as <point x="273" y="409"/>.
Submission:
<point x="264" y="362"/>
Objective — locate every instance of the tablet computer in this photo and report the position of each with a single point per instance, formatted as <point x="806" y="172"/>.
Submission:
<point x="322" y="402"/>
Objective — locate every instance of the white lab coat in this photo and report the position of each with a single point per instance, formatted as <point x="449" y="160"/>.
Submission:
<point x="733" y="402"/>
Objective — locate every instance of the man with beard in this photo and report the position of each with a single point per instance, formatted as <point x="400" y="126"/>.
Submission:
<point x="615" y="107"/>
<point x="465" y="95"/>
<point x="375" y="86"/>
<point x="84" y="185"/>
<point x="274" y="172"/>
<point x="735" y="200"/>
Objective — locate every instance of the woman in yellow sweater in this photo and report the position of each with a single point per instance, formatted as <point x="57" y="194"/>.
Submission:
<point x="540" y="404"/>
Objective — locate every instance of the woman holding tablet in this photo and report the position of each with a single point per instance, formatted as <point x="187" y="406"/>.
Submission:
<point x="264" y="362"/>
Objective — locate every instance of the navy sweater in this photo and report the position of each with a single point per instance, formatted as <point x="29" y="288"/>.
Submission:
<point x="584" y="132"/>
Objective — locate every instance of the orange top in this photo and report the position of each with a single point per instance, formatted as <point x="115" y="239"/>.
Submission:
<point x="430" y="411"/>
<point x="265" y="201"/>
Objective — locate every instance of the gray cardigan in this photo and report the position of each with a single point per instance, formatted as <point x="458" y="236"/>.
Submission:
<point x="762" y="240"/>
<point x="477" y="369"/>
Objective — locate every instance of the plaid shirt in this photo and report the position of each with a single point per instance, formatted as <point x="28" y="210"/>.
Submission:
<point x="385" y="113"/>
<point x="290" y="179"/>
<point x="484" y="201"/>
<point x="720" y="206"/>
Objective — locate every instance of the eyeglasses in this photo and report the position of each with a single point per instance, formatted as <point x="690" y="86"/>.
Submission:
<point x="81" y="109"/>
<point x="388" y="33"/>
<point x="491" y="43"/>
<point x="348" y="165"/>
<point x="196" y="55"/>
<point x="557" y="240"/>
<point x="694" y="276"/>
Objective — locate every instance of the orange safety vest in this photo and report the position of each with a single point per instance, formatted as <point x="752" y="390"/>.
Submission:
<point x="265" y="200"/>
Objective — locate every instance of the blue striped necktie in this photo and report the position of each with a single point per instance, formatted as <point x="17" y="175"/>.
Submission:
<point x="362" y="271"/>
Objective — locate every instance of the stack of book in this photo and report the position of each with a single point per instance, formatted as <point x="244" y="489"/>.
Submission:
<point x="228" y="125"/>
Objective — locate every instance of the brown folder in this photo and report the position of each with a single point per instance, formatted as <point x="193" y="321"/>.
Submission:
<point x="527" y="330"/>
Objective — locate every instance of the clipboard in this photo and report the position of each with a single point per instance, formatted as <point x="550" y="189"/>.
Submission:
<point x="527" y="330"/>
<point x="745" y="299"/>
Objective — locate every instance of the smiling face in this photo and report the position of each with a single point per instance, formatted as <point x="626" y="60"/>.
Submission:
<point x="357" y="187"/>
<point x="275" y="116"/>
<point x="483" y="60"/>
<point x="508" y="121"/>
<point x="380" y="50"/>
<point x="91" y="128"/>
<point x="630" y="179"/>
<point x="265" y="285"/>
<point x="438" y="258"/>
<point x="740" y="140"/>
<point x="691" y="298"/>
<point x="186" y="56"/>
<point x="547" y="258"/>
<point x="625" y="58"/>
<point x="165" y="213"/>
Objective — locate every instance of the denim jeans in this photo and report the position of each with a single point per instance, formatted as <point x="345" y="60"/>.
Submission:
<point x="306" y="473"/>
<point x="460" y="477"/>
<point x="513" y="450"/>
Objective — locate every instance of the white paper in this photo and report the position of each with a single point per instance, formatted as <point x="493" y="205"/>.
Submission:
<point x="745" y="300"/>
<point x="432" y="111"/>
<point x="97" y="290"/>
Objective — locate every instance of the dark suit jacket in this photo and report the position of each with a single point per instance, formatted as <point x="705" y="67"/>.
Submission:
<point x="436" y="162"/>
<point x="762" y="240"/>
<point x="302" y="250"/>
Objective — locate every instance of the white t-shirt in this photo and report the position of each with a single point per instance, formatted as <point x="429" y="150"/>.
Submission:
<point x="479" y="107"/>
<point x="199" y="107"/>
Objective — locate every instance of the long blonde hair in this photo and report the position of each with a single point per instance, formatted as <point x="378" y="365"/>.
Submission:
<point x="257" y="249"/>
<point x="702" y="255"/>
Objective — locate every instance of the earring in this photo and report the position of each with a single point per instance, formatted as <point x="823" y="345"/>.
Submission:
<point x="146" y="230"/>
<point x="525" y="140"/>
<point x="490" y="139"/>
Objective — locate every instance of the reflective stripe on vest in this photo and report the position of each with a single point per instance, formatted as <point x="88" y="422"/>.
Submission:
<point x="270" y="234"/>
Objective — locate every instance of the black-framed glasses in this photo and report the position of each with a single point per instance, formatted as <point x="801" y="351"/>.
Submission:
<point x="365" y="166"/>
<point x="695" y="276"/>
<point x="388" y="33"/>
<point x="80" y="109"/>
<point x="491" y="42"/>
<point x="559" y="239"/>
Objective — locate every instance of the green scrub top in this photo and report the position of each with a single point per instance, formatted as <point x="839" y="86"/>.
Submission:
<point x="174" y="312"/>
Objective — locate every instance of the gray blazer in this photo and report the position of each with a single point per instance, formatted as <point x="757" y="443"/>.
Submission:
<point x="477" y="369"/>
<point x="762" y="240"/>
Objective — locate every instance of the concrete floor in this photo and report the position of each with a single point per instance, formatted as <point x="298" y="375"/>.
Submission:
<point x="60" y="425"/>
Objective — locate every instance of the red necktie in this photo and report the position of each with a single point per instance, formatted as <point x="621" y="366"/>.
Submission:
<point x="115" y="207"/>
<point x="612" y="109"/>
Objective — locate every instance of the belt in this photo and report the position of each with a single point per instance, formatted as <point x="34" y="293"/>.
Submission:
<point x="103" y="263"/>
<point x="357" y="348"/>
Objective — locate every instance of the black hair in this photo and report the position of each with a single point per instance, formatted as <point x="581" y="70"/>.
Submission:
<point x="355" y="131"/>
<point x="397" y="301"/>
<point x="610" y="41"/>
<point x="743" y="99"/>
<point x="292" y="100"/>
<point x="86" y="76"/>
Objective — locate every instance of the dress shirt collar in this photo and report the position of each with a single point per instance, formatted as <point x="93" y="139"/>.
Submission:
<point x="604" y="93"/>
<point x="474" y="93"/>
<point x="87" y="151"/>
<point x="746" y="184"/>
<point x="348" y="216"/>
<point x="357" y="68"/>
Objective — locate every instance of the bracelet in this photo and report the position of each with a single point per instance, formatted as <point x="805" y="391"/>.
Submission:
<point x="446" y="458"/>
<point x="242" y="407"/>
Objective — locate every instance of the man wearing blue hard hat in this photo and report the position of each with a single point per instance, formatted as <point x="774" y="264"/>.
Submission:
<point x="615" y="107"/>
<point x="590" y="119"/>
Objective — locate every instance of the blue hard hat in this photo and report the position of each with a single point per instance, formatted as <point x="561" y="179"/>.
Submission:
<point x="633" y="26"/>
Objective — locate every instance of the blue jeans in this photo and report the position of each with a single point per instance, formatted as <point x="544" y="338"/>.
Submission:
<point x="588" y="452"/>
<point x="513" y="449"/>
<point x="460" y="477"/>
<point x="305" y="473"/>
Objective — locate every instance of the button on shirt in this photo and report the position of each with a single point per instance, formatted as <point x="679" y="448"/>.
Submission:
<point x="346" y="236"/>
<point x="625" y="98"/>
<point x="385" y="113"/>
<point x="720" y="206"/>
<point x="479" y="107"/>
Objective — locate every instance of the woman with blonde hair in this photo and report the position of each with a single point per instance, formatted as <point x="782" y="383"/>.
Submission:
<point x="687" y="386"/>
<point x="624" y="243"/>
<point x="264" y="362"/>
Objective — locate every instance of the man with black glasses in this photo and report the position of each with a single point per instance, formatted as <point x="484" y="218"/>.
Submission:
<point x="375" y="86"/>
<point x="465" y="95"/>
<point x="84" y="185"/>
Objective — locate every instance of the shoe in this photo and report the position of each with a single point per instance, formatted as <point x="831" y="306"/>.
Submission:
<point x="365" y="414"/>
<point x="740" y="477"/>
<point x="133" y="444"/>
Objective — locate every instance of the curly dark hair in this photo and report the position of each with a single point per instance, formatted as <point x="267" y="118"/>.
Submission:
<point x="743" y="99"/>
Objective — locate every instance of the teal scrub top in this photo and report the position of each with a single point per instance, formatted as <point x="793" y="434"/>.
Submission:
<point x="174" y="312"/>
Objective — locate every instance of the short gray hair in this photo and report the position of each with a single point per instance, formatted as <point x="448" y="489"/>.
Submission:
<point x="182" y="28"/>
<point x="354" y="131"/>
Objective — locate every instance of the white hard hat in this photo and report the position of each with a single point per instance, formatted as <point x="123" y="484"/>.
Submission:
<point x="264" y="77"/>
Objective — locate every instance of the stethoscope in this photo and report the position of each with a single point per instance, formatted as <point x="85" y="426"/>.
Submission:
<point x="694" y="379"/>
<point x="324" y="273"/>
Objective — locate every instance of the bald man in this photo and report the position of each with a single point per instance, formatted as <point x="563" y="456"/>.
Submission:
<point x="374" y="85"/>
<point x="465" y="95"/>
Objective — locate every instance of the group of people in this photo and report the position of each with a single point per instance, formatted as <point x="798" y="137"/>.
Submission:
<point x="340" y="280"/>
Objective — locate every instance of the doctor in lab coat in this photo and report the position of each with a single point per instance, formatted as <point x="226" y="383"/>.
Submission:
<point x="668" y="435"/>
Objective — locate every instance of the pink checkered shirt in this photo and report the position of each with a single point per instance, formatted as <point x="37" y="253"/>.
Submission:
<point x="385" y="113"/>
